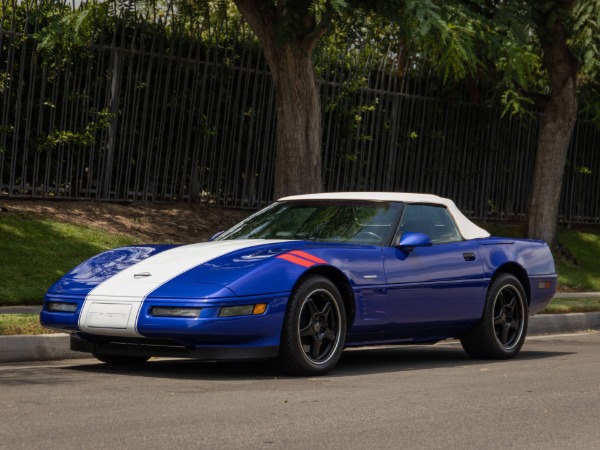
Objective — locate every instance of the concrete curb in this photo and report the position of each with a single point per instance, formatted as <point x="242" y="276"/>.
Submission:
<point x="41" y="347"/>
<point x="563" y="323"/>
<point x="21" y="309"/>
<point x="47" y="347"/>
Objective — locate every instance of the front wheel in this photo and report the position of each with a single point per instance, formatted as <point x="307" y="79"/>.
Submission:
<point x="314" y="328"/>
<point x="501" y="332"/>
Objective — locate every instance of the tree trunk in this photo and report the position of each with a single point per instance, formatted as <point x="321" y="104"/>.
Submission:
<point x="298" y="102"/>
<point x="298" y="132"/>
<point x="556" y="128"/>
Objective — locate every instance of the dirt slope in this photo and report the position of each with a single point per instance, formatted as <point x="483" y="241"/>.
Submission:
<point x="150" y="223"/>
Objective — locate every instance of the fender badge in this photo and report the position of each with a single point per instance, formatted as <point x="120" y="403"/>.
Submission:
<point x="137" y="276"/>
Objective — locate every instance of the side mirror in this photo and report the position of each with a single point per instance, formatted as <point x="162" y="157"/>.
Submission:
<point x="216" y="235"/>
<point x="409" y="241"/>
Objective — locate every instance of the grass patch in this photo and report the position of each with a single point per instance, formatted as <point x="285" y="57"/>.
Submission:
<point x="572" y="305"/>
<point x="37" y="252"/>
<point x="583" y="274"/>
<point x="21" y="324"/>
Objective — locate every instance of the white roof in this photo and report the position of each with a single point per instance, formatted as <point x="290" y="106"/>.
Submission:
<point x="467" y="228"/>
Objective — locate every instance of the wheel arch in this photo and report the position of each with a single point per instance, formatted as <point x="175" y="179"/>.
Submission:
<point x="341" y="282"/>
<point x="519" y="273"/>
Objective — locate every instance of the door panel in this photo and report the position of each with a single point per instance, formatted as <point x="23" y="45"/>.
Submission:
<point x="432" y="286"/>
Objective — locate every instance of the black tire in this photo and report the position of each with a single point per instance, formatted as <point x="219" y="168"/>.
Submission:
<point x="501" y="332"/>
<point x="314" y="328"/>
<point x="120" y="360"/>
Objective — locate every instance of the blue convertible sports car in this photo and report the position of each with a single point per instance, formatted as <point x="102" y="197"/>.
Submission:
<point x="306" y="277"/>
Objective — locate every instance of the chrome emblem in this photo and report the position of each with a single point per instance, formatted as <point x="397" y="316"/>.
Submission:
<point x="137" y="276"/>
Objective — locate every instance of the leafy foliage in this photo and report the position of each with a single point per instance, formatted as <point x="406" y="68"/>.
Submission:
<point x="585" y="42"/>
<point x="403" y="43"/>
<point x="4" y="81"/>
<point x="67" y="33"/>
<point x="479" y="39"/>
<point x="524" y="23"/>
<point x="84" y="137"/>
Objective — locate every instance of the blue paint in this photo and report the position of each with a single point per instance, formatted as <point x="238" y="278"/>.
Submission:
<point x="430" y="293"/>
<point x="89" y="274"/>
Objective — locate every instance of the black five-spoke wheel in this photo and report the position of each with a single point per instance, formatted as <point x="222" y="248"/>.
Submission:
<point x="501" y="332"/>
<point x="509" y="313"/>
<point x="319" y="326"/>
<point x="314" y="329"/>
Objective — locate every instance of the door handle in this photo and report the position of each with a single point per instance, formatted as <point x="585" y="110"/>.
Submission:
<point x="469" y="256"/>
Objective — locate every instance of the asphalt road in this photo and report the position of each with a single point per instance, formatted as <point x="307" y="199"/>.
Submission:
<point x="403" y="397"/>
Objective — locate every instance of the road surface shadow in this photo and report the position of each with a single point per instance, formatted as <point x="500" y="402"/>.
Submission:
<point x="353" y="363"/>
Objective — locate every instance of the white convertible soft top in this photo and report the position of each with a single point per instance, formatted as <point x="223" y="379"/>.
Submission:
<point x="467" y="228"/>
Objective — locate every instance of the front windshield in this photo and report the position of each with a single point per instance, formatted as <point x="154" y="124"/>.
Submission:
<point x="325" y="221"/>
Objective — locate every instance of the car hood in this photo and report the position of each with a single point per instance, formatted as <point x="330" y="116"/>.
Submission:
<point x="202" y="270"/>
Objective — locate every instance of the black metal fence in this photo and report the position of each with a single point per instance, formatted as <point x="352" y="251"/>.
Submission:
<point x="173" y="109"/>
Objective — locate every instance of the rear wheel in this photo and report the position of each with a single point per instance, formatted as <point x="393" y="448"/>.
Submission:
<point x="314" y="328"/>
<point x="501" y="332"/>
<point x="120" y="360"/>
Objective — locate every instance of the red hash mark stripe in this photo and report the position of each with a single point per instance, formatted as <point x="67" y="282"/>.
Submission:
<point x="308" y="256"/>
<point x="296" y="260"/>
<point x="302" y="258"/>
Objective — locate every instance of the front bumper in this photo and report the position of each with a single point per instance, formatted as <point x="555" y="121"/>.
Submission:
<point x="165" y="348"/>
<point x="208" y="336"/>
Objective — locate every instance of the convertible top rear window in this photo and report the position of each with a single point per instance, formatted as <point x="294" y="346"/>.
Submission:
<point x="355" y="222"/>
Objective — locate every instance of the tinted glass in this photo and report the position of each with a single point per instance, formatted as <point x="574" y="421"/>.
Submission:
<point x="350" y="222"/>
<point x="434" y="221"/>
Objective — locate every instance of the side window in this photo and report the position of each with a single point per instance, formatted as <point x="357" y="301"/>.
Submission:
<point x="434" y="221"/>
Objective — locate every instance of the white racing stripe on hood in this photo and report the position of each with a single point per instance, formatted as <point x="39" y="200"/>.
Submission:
<point x="112" y="307"/>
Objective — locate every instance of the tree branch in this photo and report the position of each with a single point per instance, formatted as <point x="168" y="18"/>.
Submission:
<point x="261" y="16"/>
<point x="311" y="39"/>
